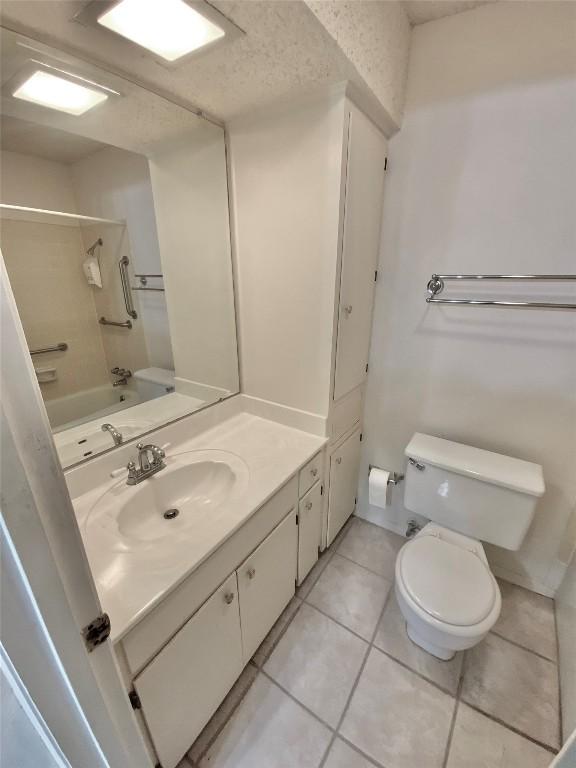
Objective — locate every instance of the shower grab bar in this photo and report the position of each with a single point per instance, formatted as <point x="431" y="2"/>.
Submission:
<point x="124" y="279"/>
<point x="436" y="286"/>
<point x="127" y="324"/>
<point x="60" y="347"/>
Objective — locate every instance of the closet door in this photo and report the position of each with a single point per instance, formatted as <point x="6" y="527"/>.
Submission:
<point x="344" y="463"/>
<point x="361" y="242"/>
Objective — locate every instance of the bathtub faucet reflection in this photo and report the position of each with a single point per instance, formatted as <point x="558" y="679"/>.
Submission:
<point x="116" y="435"/>
<point x="123" y="373"/>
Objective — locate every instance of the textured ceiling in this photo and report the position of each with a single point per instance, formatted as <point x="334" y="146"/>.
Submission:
<point x="44" y="141"/>
<point x="421" y="11"/>
<point x="285" y="50"/>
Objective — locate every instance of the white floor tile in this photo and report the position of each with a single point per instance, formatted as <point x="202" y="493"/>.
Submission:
<point x="269" y="730"/>
<point x="528" y="619"/>
<point x="396" y="717"/>
<point x="317" y="661"/>
<point x="351" y="595"/>
<point x="343" y="756"/>
<point x="478" y="742"/>
<point x="515" y="686"/>
<point x="372" y="546"/>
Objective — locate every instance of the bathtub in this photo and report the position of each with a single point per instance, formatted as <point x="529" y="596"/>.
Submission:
<point x="71" y="410"/>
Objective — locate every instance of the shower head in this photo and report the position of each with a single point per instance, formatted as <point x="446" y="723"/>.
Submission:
<point x="93" y="247"/>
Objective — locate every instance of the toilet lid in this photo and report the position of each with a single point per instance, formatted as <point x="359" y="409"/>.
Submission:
<point x="447" y="581"/>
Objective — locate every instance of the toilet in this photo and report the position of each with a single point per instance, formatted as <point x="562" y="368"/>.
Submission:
<point x="444" y="586"/>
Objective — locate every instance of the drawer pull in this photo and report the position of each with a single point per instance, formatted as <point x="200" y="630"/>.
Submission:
<point x="308" y="505"/>
<point x="229" y="598"/>
<point x="339" y="460"/>
<point x="251" y="572"/>
<point x="314" y="472"/>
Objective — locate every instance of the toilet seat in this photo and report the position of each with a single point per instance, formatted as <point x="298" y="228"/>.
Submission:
<point x="449" y="582"/>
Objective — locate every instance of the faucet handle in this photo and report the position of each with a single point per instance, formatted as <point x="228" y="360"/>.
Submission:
<point x="131" y="467"/>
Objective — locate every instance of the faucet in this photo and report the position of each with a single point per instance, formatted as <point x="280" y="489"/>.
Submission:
<point x="124" y="375"/>
<point x="146" y="466"/>
<point x="116" y="435"/>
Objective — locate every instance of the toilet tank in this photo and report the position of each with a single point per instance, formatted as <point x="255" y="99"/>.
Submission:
<point x="485" y="495"/>
<point x="154" y="382"/>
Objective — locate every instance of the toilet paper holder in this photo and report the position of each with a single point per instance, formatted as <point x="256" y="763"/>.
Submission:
<point x="395" y="477"/>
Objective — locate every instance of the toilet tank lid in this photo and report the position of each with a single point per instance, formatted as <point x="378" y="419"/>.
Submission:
<point x="156" y="375"/>
<point x="495" y="468"/>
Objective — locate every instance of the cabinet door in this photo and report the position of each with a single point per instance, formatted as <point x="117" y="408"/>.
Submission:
<point x="183" y="686"/>
<point x="361" y="242"/>
<point x="309" y="530"/>
<point x="344" y="464"/>
<point x="266" y="582"/>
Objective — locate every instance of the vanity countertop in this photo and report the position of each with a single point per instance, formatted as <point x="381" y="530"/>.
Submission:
<point x="130" y="582"/>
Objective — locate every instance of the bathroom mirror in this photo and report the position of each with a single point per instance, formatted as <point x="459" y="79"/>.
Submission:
<point x="116" y="241"/>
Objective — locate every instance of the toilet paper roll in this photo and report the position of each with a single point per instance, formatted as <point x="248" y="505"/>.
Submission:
<point x="378" y="487"/>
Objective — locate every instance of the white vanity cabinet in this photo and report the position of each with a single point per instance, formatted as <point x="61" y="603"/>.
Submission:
<point x="266" y="583"/>
<point x="343" y="483"/>
<point x="182" y="687"/>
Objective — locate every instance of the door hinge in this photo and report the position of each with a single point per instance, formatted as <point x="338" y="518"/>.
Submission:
<point x="361" y="436"/>
<point x="385" y="163"/>
<point x="375" y="275"/>
<point x="355" y="501"/>
<point x="322" y="490"/>
<point x="297" y="519"/>
<point x="96" y="632"/>
<point x="366" y="367"/>
<point x="135" y="700"/>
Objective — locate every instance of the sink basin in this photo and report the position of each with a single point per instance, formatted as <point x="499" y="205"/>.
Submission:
<point x="168" y="506"/>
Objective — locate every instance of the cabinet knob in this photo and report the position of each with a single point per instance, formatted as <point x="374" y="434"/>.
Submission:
<point x="229" y="597"/>
<point x="348" y="309"/>
<point x="251" y="572"/>
<point x="339" y="460"/>
<point x="314" y="472"/>
<point x="308" y="505"/>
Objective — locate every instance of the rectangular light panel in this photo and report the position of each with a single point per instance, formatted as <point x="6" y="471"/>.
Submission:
<point x="168" y="28"/>
<point x="58" y="93"/>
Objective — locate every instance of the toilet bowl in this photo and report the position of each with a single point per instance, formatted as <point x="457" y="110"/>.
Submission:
<point x="446" y="591"/>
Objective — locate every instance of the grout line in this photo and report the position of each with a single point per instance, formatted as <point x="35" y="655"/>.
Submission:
<point x="560" y="729"/>
<point x="361" y="566"/>
<point x="512" y="728"/>
<point x="336" y="621"/>
<point x="297" y="701"/>
<point x="415" y="672"/>
<point x="355" y="684"/>
<point x="523" y="647"/>
<point x="455" y="713"/>
<point x="358" y="751"/>
<point x="280" y="636"/>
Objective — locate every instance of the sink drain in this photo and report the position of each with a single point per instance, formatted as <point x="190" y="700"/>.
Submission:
<point x="170" y="514"/>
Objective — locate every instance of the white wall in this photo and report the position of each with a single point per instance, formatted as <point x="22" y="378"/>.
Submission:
<point x="566" y="624"/>
<point x="115" y="184"/>
<point x="481" y="180"/>
<point x="35" y="182"/>
<point x="190" y="189"/>
<point x="286" y="173"/>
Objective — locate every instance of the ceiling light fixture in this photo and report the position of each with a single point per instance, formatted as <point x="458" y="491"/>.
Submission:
<point x="58" y="93"/>
<point x="169" y="28"/>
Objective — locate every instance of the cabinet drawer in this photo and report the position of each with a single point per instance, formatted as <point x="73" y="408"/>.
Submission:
<point x="184" y="685"/>
<point x="309" y="474"/>
<point x="266" y="582"/>
<point x="309" y="530"/>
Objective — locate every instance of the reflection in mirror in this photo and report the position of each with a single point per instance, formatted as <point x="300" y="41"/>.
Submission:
<point x="115" y="236"/>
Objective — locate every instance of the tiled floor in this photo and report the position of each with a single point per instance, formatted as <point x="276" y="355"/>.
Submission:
<point x="338" y="684"/>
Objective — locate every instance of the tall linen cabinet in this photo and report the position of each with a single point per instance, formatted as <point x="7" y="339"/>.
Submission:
<point x="307" y="189"/>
